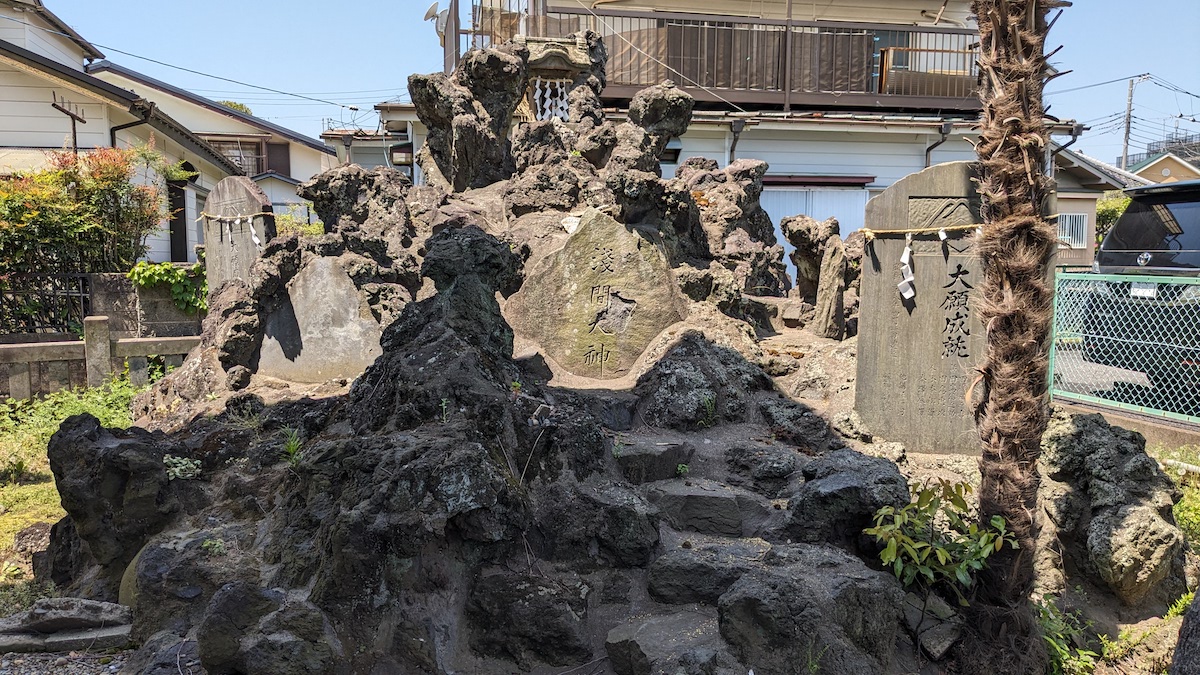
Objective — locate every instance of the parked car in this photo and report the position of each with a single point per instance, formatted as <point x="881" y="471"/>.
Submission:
<point x="1144" y="324"/>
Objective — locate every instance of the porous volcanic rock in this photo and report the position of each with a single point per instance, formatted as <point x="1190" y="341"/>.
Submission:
<point x="468" y="114"/>
<point x="809" y="237"/>
<point x="1108" y="511"/>
<point x="812" y="603"/>
<point x="739" y="232"/>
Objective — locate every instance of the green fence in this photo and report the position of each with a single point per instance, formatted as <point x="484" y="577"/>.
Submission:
<point x="1128" y="342"/>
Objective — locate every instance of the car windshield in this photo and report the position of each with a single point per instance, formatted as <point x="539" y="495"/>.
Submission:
<point x="1157" y="223"/>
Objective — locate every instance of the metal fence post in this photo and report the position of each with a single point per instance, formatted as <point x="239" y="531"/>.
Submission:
<point x="97" y="350"/>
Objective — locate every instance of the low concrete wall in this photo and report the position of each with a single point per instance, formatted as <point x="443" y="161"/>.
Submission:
<point x="140" y="312"/>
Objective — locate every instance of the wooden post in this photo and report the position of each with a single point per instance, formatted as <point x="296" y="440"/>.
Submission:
<point x="19" y="386"/>
<point x="97" y="350"/>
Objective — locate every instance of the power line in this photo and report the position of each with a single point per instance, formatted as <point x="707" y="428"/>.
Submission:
<point x="186" y="70"/>
<point x="1098" y="84"/>
<point x="1171" y="87"/>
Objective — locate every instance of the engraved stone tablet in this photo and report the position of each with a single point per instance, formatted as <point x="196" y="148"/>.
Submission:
<point x="916" y="357"/>
<point x="594" y="305"/>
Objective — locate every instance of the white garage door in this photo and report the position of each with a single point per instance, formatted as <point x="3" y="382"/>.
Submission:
<point x="847" y="205"/>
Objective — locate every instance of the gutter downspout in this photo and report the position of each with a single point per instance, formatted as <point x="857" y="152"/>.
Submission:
<point x="947" y="127"/>
<point x="736" y="126"/>
<point x="1076" y="132"/>
<point x="146" y="114"/>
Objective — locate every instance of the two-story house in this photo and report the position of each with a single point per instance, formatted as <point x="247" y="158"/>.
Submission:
<point x="49" y="102"/>
<point x="841" y="97"/>
<point x="276" y="158"/>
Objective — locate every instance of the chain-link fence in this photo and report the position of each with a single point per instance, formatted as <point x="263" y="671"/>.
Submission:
<point x="1130" y="342"/>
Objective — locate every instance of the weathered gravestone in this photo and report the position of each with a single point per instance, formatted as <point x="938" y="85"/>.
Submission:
<point x="595" y="305"/>
<point x="916" y="355"/>
<point x="238" y="222"/>
<point x="322" y="330"/>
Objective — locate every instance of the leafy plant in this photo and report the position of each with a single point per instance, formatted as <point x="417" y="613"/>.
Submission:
<point x="213" y="547"/>
<point x="234" y="105"/>
<point x="13" y="469"/>
<point x="1062" y="633"/>
<point x="181" y="468"/>
<point x="298" y="221"/>
<point x="89" y="212"/>
<point x="812" y="659"/>
<point x="934" y="540"/>
<point x="681" y="470"/>
<point x="1109" y="208"/>
<point x="1126" y="642"/>
<point x="292" y="453"/>
<point x="619" y="444"/>
<point x="710" y="412"/>
<point x="445" y="411"/>
<point x="188" y="285"/>
<point x="1180" y="606"/>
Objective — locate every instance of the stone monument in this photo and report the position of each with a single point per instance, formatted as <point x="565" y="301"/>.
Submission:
<point x="595" y="305"/>
<point x="238" y="222"/>
<point x="919" y="335"/>
<point x="321" y="331"/>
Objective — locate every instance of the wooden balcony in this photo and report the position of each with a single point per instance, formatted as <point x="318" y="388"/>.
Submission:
<point x="762" y="63"/>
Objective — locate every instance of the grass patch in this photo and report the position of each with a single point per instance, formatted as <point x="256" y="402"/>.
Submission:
<point x="1187" y="511"/>
<point x="27" y="492"/>
<point x="20" y="595"/>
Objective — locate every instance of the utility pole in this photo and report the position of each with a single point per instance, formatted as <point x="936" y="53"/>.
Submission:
<point x="76" y="115"/>
<point x="1129" y="119"/>
<point x="1128" y="123"/>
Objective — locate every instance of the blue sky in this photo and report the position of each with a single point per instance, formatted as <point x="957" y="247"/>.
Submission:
<point x="361" y="52"/>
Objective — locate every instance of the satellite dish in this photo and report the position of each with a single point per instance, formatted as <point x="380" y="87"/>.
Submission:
<point x="431" y="13"/>
<point x="443" y="18"/>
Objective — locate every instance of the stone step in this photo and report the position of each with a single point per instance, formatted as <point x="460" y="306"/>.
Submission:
<point x="709" y="507"/>
<point x="91" y="639"/>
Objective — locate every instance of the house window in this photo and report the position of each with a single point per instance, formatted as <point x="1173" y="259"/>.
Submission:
<point x="1073" y="230"/>
<point x="246" y="154"/>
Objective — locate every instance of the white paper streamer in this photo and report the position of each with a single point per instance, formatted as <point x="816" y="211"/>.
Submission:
<point x="942" y="235"/>
<point x="906" y="287"/>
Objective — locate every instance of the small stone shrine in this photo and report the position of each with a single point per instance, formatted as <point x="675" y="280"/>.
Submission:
<point x="919" y="337"/>
<point x="238" y="222"/>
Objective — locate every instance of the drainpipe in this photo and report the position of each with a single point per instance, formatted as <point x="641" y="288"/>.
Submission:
<point x="1076" y="132"/>
<point x="146" y="113"/>
<point x="736" y="126"/>
<point x="947" y="127"/>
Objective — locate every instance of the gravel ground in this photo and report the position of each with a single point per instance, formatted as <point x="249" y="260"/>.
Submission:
<point x="74" y="663"/>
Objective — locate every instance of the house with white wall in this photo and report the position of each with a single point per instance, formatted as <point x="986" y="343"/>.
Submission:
<point x="43" y="63"/>
<point x="276" y="158"/>
<point x="841" y="98"/>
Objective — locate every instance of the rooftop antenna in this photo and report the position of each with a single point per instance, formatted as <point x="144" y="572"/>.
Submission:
<point x="75" y="113"/>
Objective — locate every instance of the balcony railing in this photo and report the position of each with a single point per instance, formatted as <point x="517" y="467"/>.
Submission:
<point x="761" y="61"/>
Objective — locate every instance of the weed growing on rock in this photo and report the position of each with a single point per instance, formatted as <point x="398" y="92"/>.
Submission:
<point x="619" y="445"/>
<point x="291" y="447"/>
<point x="812" y="664"/>
<point x="1126" y="642"/>
<point x="681" y="470"/>
<point x="1062" y="631"/>
<point x="709" y="419"/>
<point x="181" y="468"/>
<point x="934" y="540"/>
<point x="213" y="547"/>
<point x="1180" y="606"/>
<point x="445" y="411"/>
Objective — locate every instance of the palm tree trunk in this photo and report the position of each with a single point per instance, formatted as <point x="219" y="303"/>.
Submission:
<point x="1016" y="249"/>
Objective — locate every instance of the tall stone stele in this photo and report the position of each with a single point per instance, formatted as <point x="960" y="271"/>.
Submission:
<point x="238" y="223"/>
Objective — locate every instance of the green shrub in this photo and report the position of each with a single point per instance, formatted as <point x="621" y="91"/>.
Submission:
<point x="1180" y="606"/>
<point x="934" y="540"/>
<point x="188" y="285"/>
<point x="1062" y="631"/>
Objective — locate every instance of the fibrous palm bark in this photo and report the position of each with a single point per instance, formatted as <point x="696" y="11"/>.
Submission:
<point x="1016" y="249"/>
